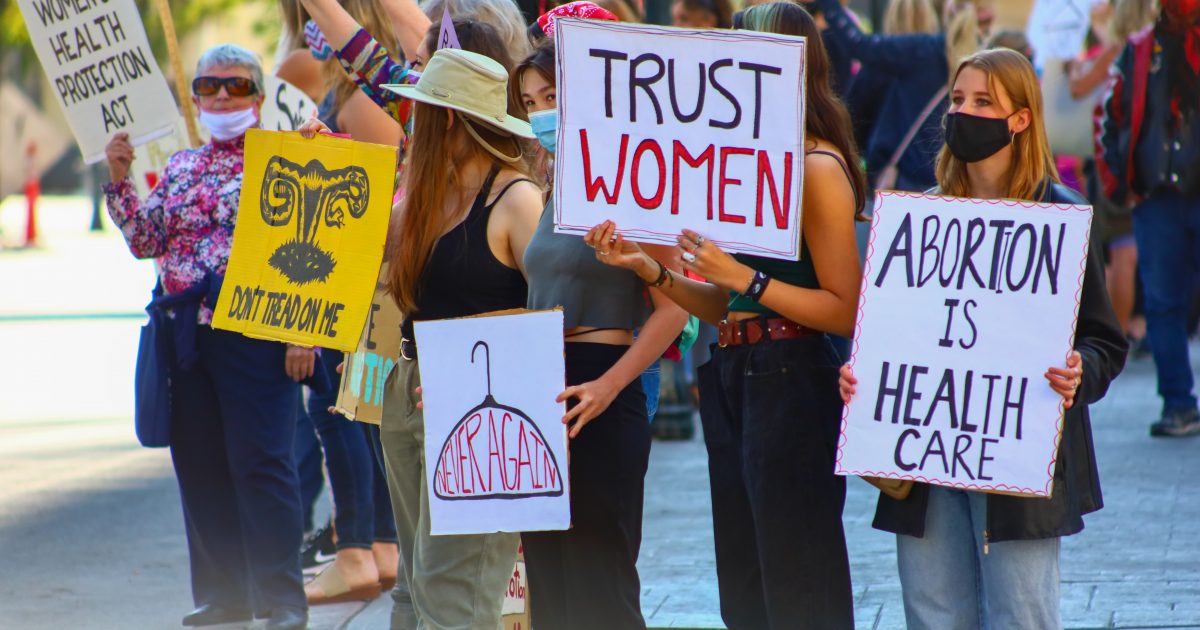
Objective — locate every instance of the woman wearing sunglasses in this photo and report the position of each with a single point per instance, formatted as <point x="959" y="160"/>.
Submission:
<point x="234" y="403"/>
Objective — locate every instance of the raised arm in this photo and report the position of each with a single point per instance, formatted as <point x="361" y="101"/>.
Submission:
<point x="410" y="24"/>
<point x="895" y="53"/>
<point x="141" y="223"/>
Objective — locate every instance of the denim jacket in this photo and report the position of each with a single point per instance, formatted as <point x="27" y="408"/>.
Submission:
<point x="1139" y="151"/>
<point x="1076" y="489"/>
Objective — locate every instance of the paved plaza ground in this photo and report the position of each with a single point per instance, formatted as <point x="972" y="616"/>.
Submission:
<point x="91" y="534"/>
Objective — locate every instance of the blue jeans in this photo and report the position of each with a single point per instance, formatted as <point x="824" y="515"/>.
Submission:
<point x="1167" y="229"/>
<point x="310" y="464"/>
<point x="948" y="582"/>
<point x="651" y="380"/>
<point x="362" y="509"/>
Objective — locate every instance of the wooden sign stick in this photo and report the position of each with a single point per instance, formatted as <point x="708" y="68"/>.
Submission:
<point x="182" y="89"/>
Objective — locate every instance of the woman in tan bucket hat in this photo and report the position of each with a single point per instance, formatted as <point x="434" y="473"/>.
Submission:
<point x="468" y="213"/>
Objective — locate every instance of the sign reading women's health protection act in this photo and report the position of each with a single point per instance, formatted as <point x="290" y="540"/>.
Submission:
<point x="495" y="444"/>
<point x="965" y="305"/>
<point x="101" y="69"/>
<point x="311" y="224"/>
<point x="662" y="129"/>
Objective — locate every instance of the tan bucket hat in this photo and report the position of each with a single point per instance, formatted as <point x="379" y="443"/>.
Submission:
<point x="473" y="84"/>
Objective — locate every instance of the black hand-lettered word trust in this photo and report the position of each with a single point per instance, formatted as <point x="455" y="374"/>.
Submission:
<point x="313" y="195"/>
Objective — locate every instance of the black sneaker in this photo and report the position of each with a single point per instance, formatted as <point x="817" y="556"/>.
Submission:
<point x="318" y="549"/>
<point x="1179" y="423"/>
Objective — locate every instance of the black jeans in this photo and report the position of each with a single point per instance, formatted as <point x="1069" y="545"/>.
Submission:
<point x="771" y="416"/>
<point x="586" y="577"/>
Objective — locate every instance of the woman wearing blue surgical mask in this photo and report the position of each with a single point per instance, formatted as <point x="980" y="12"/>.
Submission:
<point x="607" y="417"/>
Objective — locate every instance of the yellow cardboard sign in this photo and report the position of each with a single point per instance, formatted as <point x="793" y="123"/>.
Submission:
<point x="311" y="226"/>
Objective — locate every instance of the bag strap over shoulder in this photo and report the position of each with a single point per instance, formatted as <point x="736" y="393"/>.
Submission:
<point x="916" y="126"/>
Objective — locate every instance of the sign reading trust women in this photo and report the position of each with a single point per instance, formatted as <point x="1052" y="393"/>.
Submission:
<point x="311" y="224"/>
<point x="965" y="305"/>
<point x="495" y="444"/>
<point x="101" y="70"/>
<point x="662" y="129"/>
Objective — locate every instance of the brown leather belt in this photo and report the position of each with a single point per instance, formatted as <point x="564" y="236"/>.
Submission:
<point x="750" y="331"/>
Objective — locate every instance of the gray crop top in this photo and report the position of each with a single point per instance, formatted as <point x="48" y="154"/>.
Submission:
<point x="563" y="271"/>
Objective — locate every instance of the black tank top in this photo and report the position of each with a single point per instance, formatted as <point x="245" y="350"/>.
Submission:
<point x="462" y="276"/>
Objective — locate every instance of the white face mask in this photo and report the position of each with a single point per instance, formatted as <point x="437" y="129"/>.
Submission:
<point x="229" y="125"/>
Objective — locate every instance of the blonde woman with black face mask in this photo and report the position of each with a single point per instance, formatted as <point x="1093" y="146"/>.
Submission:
<point x="1005" y="547"/>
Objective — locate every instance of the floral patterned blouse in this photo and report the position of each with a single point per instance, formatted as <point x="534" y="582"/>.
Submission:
<point x="187" y="221"/>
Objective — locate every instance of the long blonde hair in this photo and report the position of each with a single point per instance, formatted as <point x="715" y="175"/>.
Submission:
<point x="910" y="16"/>
<point x="962" y="31"/>
<point x="371" y="16"/>
<point x="1032" y="161"/>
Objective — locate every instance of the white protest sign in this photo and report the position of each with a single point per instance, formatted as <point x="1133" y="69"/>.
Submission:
<point x="101" y="70"/>
<point x="495" y="444"/>
<point x="285" y="106"/>
<point x="151" y="158"/>
<point x="1058" y="28"/>
<point x="965" y="305"/>
<point x="662" y="129"/>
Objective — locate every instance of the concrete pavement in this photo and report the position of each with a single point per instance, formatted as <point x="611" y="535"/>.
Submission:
<point x="91" y="535"/>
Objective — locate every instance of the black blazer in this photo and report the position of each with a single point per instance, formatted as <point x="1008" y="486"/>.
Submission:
<point x="1076" y="490"/>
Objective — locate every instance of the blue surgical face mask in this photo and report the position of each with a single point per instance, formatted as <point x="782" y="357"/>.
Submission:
<point x="545" y="127"/>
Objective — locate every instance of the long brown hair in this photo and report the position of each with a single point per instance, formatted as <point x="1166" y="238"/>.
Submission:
<point x="826" y="116"/>
<point x="1032" y="161"/>
<point x="437" y="150"/>
<point x="541" y="61"/>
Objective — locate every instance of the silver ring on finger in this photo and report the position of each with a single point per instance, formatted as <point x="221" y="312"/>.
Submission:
<point x="602" y="253"/>
<point x="689" y="257"/>
<point x="699" y="241"/>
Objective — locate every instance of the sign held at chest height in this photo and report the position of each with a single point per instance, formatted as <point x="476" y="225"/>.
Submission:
<point x="662" y="129"/>
<point x="495" y="444"/>
<point x="101" y="69"/>
<point x="309" y="240"/>
<point x="965" y="305"/>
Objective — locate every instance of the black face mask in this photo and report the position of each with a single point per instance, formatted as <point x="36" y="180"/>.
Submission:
<point x="976" y="138"/>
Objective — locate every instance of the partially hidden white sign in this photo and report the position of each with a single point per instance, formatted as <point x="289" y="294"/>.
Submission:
<point x="965" y="305"/>
<point x="101" y="70"/>
<point x="662" y="129"/>
<point x="495" y="444"/>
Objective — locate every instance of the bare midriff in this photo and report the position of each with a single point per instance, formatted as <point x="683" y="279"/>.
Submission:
<point x="592" y="334"/>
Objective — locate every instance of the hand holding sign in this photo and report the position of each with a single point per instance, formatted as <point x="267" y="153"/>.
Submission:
<point x="120" y="156"/>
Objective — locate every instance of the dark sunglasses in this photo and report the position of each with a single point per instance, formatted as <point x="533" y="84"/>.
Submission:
<point x="234" y="86"/>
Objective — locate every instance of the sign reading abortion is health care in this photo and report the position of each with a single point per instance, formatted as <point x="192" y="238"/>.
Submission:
<point x="101" y="69"/>
<point x="965" y="305"/>
<point x="309" y="240"/>
<point x="662" y="129"/>
<point x="495" y="444"/>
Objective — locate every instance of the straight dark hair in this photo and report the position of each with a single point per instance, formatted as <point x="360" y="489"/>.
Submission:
<point x="826" y="116"/>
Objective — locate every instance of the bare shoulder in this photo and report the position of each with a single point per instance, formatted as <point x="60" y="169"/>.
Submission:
<point x="521" y="200"/>
<point x="827" y="186"/>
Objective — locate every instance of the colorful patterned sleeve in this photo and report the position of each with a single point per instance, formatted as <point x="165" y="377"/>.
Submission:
<point x="368" y="63"/>
<point x="141" y="223"/>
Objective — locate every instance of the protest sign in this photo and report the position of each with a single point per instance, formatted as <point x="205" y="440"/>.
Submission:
<point x="151" y="158"/>
<point x="515" y="610"/>
<point x="499" y="465"/>
<point x="311" y="224"/>
<point x="662" y="129"/>
<point x="21" y="124"/>
<point x="965" y="305"/>
<point x="365" y="370"/>
<point x="1058" y="28"/>
<point x="285" y="106"/>
<point x="101" y="69"/>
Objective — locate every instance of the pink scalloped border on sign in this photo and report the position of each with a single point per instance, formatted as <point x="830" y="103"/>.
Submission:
<point x="880" y="198"/>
